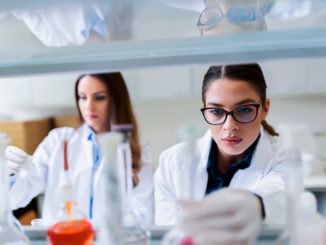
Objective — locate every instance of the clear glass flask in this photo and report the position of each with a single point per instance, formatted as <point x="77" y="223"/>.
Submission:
<point x="10" y="230"/>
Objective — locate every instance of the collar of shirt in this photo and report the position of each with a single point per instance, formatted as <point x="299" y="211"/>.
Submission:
<point x="215" y="179"/>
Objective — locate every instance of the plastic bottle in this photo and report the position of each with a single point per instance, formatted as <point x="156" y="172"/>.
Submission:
<point x="71" y="227"/>
<point x="10" y="229"/>
<point x="109" y="201"/>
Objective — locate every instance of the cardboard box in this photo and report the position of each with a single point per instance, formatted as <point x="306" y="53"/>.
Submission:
<point x="66" y="121"/>
<point x="27" y="135"/>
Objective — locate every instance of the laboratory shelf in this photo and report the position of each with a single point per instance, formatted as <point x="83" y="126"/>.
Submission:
<point x="113" y="56"/>
<point x="316" y="183"/>
<point x="268" y="234"/>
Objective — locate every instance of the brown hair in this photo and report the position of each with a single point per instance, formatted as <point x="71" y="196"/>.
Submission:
<point x="250" y="73"/>
<point x="120" y="112"/>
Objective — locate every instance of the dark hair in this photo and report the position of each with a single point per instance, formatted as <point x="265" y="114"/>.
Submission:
<point x="250" y="73"/>
<point x="120" y="112"/>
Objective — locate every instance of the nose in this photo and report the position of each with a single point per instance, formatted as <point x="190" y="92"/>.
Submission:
<point x="90" y="104"/>
<point x="230" y="124"/>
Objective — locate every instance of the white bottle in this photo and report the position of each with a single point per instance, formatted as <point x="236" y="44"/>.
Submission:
<point x="108" y="199"/>
<point x="10" y="229"/>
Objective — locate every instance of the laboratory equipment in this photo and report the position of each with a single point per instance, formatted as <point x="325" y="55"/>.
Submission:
<point x="125" y="159"/>
<point x="177" y="236"/>
<point x="294" y="184"/>
<point x="10" y="229"/>
<point x="108" y="201"/>
<point x="125" y="174"/>
<point x="71" y="226"/>
<point x="111" y="229"/>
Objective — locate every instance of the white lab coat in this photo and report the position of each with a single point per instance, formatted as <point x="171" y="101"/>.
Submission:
<point x="48" y="177"/>
<point x="265" y="176"/>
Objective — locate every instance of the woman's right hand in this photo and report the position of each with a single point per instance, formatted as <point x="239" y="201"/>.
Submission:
<point x="17" y="159"/>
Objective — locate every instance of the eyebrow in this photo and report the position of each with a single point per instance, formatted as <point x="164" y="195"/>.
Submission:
<point x="242" y="102"/>
<point x="96" y="93"/>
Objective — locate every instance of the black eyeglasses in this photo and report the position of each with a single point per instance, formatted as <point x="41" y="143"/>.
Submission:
<point x="241" y="114"/>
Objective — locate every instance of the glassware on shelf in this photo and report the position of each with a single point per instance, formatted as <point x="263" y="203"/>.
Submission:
<point x="71" y="226"/>
<point x="10" y="230"/>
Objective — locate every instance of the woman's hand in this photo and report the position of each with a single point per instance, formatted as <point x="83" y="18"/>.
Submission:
<point x="228" y="216"/>
<point x="17" y="159"/>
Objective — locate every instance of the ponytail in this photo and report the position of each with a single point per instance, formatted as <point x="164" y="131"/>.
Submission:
<point x="269" y="128"/>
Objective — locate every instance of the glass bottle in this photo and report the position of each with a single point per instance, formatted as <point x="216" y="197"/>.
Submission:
<point x="71" y="226"/>
<point x="10" y="230"/>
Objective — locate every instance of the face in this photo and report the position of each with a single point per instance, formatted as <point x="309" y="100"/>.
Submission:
<point x="234" y="138"/>
<point x="93" y="103"/>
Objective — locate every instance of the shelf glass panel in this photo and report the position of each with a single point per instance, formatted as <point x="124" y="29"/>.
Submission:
<point x="113" y="35"/>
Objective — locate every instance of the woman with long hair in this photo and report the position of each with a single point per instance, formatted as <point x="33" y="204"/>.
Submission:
<point x="102" y="101"/>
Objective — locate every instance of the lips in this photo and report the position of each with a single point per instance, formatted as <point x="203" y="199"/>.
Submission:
<point x="231" y="140"/>
<point x="92" y="117"/>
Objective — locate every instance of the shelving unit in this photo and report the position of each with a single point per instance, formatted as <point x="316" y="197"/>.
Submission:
<point x="111" y="56"/>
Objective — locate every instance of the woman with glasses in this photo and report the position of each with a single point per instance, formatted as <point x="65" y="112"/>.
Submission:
<point x="239" y="151"/>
